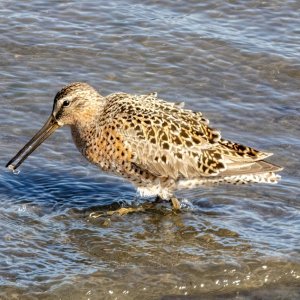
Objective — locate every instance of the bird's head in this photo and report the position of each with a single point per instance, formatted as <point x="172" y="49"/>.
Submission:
<point x="74" y="103"/>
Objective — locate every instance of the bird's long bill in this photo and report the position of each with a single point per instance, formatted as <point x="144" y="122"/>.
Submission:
<point x="50" y="126"/>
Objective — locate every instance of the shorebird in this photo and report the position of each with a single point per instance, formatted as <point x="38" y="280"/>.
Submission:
<point x="157" y="145"/>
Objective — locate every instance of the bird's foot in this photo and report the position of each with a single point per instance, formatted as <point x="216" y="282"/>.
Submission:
<point x="120" y="211"/>
<point x="125" y="210"/>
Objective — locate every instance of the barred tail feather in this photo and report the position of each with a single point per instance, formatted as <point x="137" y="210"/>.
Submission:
<point x="237" y="173"/>
<point x="248" y="168"/>
<point x="268" y="177"/>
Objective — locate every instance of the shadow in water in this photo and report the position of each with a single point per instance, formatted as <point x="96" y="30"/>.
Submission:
<point x="63" y="190"/>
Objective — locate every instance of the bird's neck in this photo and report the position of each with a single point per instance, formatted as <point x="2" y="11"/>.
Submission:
<point x="89" y="116"/>
<point x="82" y="134"/>
<point x="84" y="128"/>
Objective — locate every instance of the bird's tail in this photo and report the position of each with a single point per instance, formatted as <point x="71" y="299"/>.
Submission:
<point x="249" y="172"/>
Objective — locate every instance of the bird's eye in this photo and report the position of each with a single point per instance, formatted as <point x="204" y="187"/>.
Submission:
<point x="66" y="103"/>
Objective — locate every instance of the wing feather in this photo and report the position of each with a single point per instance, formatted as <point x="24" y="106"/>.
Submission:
<point x="169" y="141"/>
<point x="166" y="139"/>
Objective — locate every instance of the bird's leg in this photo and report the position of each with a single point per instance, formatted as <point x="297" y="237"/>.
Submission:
<point x="168" y="197"/>
<point x="158" y="199"/>
<point x="168" y="186"/>
<point x="175" y="203"/>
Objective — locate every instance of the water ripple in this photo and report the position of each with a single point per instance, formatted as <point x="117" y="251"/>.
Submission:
<point x="238" y="63"/>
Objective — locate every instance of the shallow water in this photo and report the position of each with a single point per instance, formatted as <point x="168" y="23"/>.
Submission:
<point x="238" y="63"/>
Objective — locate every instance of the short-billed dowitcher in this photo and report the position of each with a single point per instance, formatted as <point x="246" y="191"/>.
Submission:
<point x="159" y="146"/>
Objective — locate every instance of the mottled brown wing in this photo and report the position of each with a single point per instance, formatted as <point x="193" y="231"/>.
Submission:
<point x="167" y="140"/>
